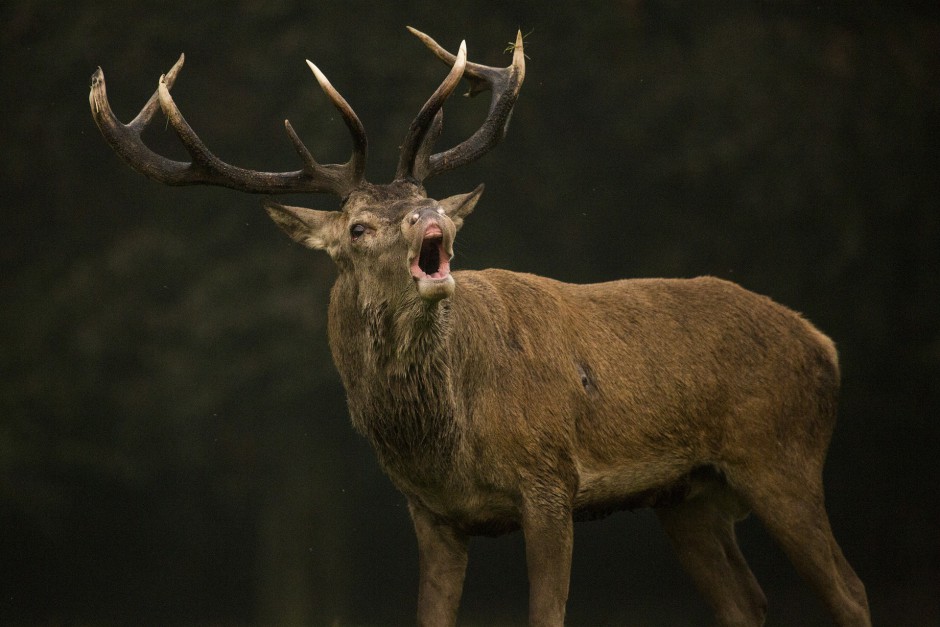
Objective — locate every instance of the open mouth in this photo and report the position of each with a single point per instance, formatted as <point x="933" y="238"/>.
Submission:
<point x="432" y="261"/>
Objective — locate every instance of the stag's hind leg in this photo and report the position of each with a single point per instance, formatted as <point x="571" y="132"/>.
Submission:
<point x="789" y="501"/>
<point x="701" y="530"/>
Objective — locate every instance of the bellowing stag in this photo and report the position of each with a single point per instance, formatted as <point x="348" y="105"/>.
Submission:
<point x="498" y="401"/>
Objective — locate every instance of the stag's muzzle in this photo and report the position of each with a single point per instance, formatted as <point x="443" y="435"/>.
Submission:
<point x="430" y="253"/>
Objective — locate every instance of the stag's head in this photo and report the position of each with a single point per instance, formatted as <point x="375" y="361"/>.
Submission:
<point x="386" y="237"/>
<point x="389" y="237"/>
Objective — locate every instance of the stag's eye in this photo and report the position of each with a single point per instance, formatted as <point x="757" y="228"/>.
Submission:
<point x="357" y="230"/>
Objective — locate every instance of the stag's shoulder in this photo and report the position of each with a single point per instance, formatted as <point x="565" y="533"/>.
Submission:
<point x="507" y="293"/>
<point x="495" y="280"/>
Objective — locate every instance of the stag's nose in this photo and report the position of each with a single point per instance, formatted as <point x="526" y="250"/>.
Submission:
<point x="425" y="214"/>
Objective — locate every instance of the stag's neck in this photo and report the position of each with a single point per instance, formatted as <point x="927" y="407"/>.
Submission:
<point x="409" y="337"/>
<point x="393" y="356"/>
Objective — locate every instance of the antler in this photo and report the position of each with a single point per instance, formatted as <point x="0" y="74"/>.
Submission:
<point x="416" y="160"/>
<point x="205" y="167"/>
<point x="418" y="142"/>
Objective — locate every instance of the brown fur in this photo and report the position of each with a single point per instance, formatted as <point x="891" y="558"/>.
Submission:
<point x="516" y="401"/>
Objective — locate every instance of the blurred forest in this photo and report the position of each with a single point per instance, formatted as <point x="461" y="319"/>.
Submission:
<point x="174" y="443"/>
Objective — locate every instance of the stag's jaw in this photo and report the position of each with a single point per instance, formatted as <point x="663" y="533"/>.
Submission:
<point x="430" y="265"/>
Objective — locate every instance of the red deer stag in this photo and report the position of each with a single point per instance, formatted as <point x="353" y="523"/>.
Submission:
<point x="497" y="400"/>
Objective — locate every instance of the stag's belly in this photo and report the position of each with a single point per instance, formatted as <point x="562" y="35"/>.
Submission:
<point x="481" y="510"/>
<point x="606" y="490"/>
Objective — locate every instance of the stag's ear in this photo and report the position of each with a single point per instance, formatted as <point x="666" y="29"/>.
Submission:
<point x="458" y="207"/>
<point x="312" y="228"/>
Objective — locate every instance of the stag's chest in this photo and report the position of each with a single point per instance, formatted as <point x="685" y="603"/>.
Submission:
<point x="412" y="433"/>
<point x="402" y="396"/>
<point x="422" y="443"/>
<point x="406" y="409"/>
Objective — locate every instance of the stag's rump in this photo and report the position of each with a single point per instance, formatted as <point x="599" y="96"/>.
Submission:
<point x="693" y="374"/>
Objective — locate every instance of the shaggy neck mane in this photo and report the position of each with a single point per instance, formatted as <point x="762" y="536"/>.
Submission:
<point x="405" y="403"/>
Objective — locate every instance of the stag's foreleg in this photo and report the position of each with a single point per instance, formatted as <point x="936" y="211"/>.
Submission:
<point x="442" y="562"/>
<point x="701" y="530"/>
<point x="548" y="529"/>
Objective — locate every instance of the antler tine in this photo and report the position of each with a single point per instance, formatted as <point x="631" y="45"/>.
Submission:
<point x="204" y="167"/>
<point x="146" y="114"/>
<point x="505" y="84"/>
<point x="423" y="156"/>
<point x="356" y="165"/>
<point x="414" y="143"/>
<point x="125" y="138"/>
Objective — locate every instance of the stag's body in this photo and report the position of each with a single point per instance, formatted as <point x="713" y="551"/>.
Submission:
<point x="499" y="401"/>
<point x="609" y="396"/>
<point x="523" y="402"/>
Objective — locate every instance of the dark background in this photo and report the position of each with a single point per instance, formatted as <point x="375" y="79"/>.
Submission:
<point x="174" y="444"/>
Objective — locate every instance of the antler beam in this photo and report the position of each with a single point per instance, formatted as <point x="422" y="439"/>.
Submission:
<point x="505" y="84"/>
<point x="417" y="161"/>
<point x="428" y="120"/>
<point x="207" y="169"/>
